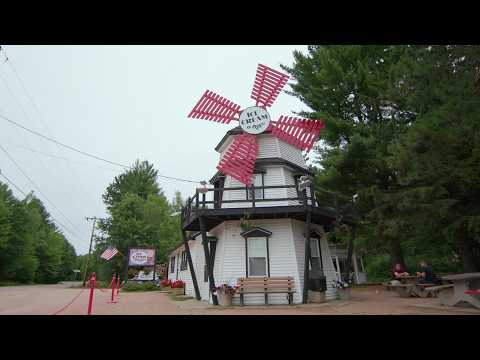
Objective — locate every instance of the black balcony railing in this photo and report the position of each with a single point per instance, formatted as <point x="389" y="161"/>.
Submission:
<point x="314" y="197"/>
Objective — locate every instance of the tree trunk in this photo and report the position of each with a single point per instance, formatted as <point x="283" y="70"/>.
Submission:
<point x="397" y="253"/>
<point x="395" y="247"/>
<point x="465" y="250"/>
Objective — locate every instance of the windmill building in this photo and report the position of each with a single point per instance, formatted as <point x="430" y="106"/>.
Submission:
<point x="260" y="216"/>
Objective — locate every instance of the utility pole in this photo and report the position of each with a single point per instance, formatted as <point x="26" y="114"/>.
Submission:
<point x="89" y="249"/>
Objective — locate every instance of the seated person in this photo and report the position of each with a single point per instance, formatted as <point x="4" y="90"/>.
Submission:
<point x="426" y="274"/>
<point x="399" y="272"/>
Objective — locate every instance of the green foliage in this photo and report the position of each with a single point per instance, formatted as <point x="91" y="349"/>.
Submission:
<point x="402" y="125"/>
<point x="31" y="247"/>
<point x="139" y="215"/>
<point x="140" y="286"/>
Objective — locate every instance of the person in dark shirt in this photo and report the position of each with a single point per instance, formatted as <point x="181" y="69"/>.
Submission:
<point x="426" y="274"/>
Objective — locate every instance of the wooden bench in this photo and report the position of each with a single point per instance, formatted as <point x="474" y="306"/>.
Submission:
<point x="266" y="285"/>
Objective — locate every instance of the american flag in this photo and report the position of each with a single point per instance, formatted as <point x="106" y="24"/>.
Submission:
<point x="109" y="253"/>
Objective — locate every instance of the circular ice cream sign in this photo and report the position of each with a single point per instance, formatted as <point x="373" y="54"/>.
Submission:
<point x="254" y="120"/>
<point x="138" y="257"/>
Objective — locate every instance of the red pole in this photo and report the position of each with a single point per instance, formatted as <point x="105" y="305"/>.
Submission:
<point x="93" y="279"/>
<point x="118" y="284"/>
<point x="112" y="301"/>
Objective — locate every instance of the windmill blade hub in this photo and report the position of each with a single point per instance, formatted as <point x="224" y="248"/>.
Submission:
<point x="254" y="120"/>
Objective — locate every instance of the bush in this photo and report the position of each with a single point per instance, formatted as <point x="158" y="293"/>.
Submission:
<point x="138" y="286"/>
<point x="378" y="267"/>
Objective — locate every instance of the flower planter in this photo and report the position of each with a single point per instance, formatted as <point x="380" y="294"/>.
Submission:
<point x="344" y="294"/>
<point x="224" y="299"/>
<point x="316" y="297"/>
<point x="178" y="291"/>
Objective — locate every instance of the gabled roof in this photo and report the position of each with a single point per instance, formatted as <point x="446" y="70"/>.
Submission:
<point x="256" y="232"/>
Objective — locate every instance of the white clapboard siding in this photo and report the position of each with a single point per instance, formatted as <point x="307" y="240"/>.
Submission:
<point x="231" y="254"/>
<point x="291" y="153"/>
<point x="267" y="146"/>
<point x="273" y="176"/>
<point x="299" y="229"/>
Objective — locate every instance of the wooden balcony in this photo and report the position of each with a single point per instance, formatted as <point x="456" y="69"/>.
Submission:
<point x="325" y="207"/>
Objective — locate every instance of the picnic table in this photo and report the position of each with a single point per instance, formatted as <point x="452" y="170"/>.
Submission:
<point x="461" y="291"/>
<point x="406" y="287"/>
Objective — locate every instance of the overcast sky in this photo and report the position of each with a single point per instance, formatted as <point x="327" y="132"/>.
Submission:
<point x="120" y="103"/>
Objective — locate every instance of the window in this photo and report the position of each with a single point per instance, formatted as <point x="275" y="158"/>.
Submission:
<point x="172" y="264"/>
<point x="257" y="256"/>
<point x="184" y="264"/>
<point x="212" y="249"/>
<point x="259" y="193"/>
<point x="315" y="254"/>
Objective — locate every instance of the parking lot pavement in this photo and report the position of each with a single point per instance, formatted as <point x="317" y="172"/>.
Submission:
<point x="61" y="299"/>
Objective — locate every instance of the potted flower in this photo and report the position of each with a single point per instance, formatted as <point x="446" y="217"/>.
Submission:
<point x="225" y="293"/>
<point x="244" y="223"/>
<point x="178" y="287"/>
<point x="166" y="284"/>
<point x="343" y="289"/>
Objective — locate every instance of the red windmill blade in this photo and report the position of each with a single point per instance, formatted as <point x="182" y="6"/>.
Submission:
<point x="268" y="84"/>
<point x="239" y="159"/>
<point x="214" y="107"/>
<point x="298" y="132"/>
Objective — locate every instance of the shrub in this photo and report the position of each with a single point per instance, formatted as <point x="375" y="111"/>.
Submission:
<point x="138" y="286"/>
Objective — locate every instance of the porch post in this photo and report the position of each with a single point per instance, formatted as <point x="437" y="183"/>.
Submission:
<point x="306" y="271"/>
<point x="350" y="250"/>
<point x="208" y="260"/>
<point x="190" y="265"/>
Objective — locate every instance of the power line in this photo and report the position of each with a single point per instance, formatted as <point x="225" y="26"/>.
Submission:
<point x="61" y="157"/>
<point x="62" y="144"/>
<point x="85" y="153"/>
<point x="44" y="123"/>
<point x="55" y="221"/>
<point x="58" y="142"/>
<point x="13" y="184"/>
<point x="35" y="185"/>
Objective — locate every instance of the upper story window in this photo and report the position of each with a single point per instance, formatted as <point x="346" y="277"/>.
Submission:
<point x="172" y="264"/>
<point x="315" y="254"/>
<point x="258" y="180"/>
<point x="184" y="263"/>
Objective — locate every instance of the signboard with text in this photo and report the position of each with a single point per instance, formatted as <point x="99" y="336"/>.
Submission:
<point x="141" y="257"/>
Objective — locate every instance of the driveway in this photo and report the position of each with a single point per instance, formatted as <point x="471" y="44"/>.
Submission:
<point x="63" y="300"/>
